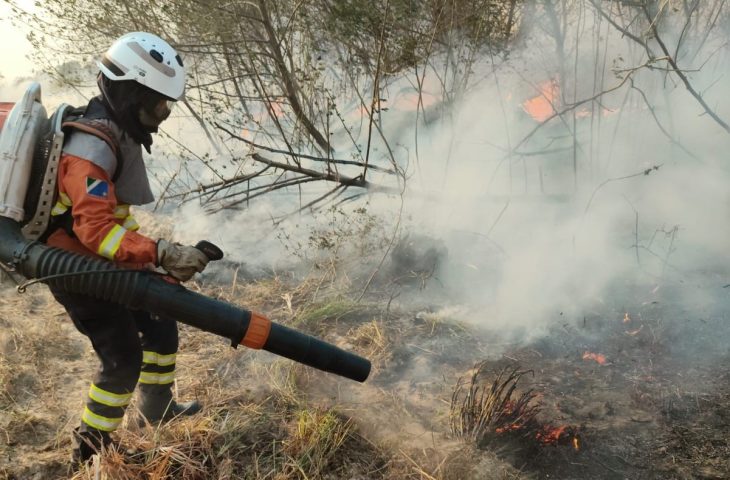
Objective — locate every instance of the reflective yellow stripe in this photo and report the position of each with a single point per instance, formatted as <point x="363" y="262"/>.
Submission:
<point x="154" y="358"/>
<point x="61" y="205"/>
<point x="109" y="246"/>
<point x="131" y="224"/>
<point x="59" y="209"/>
<point x="100" y="423"/>
<point x="108" y="398"/>
<point x="122" y="211"/>
<point x="154" y="378"/>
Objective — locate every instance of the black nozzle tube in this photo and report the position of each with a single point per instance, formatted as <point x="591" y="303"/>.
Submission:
<point x="212" y="251"/>
<point x="311" y="351"/>
<point x="139" y="290"/>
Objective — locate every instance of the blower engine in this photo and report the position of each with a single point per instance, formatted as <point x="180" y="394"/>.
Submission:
<point x="30" y="149"/>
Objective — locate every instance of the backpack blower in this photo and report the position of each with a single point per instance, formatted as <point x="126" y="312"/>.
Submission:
<point x="30" y="149"/>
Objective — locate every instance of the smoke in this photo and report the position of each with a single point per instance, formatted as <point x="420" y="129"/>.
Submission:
<point x="631" y="191"/>
<point x="623" y="195"/>
<point x="538" y="222"/>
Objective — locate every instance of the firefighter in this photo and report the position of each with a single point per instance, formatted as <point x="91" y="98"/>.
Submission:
<point x="102" y="173"/>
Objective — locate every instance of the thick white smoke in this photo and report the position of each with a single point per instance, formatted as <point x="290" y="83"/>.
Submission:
<point x="533" y="228"/>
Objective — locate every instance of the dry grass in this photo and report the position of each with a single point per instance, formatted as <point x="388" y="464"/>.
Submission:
<point x="315" y="317"/>
<point x="238" y="438"/>
<point x="482" y="410"/>
<point x="264" y="418"/>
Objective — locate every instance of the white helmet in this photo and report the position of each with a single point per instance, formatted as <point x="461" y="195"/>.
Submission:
<point x="147" y="59"/>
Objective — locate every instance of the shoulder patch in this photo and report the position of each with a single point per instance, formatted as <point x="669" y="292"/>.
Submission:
<point x="97" y="188"/>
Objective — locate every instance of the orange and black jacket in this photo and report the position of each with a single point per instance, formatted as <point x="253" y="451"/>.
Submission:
<point x="100" y="225"/>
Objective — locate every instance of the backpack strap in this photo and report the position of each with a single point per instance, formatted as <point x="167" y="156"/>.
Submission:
<point x="99" y="129"/>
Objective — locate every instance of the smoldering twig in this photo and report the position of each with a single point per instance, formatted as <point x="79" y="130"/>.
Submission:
<point x="644" y="172"/>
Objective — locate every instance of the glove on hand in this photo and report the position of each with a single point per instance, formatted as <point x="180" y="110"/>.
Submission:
<point x="180" y="261"/>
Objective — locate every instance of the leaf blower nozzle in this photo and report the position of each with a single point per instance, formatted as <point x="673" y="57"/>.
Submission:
<point x="139" y="290"/>
<point x="211" y="251"/>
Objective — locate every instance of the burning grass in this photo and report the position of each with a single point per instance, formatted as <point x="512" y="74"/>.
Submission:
<point x="494" y="413"/>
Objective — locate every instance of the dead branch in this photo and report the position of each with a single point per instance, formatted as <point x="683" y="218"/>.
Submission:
<point x="262" y="190"/>
<point x="671" y="60"/>
<point x="302" y="155"/>
<point x="680" y="73"/>
<point x="375" y="102"/>
<point x="577" y="104"/>
<point x="330" y="177"/>
<point x="659" y="124"/>
<point x="291" y="89"/>
<point x="644" y="172"/>
<point x="211" y="188"/>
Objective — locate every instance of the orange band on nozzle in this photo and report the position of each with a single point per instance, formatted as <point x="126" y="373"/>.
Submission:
<point x="258" y="331"/>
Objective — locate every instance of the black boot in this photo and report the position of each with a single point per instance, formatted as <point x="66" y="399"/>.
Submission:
<point x="156" y="404"/>
<point x="87" y="442"/>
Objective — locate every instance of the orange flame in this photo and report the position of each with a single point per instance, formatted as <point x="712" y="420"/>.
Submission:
<point x="627" y="319"/>
<point x="598" y="357"/>
<point x="576" y="443"/>
<point x="551" y="436"/>
<point x="509" y="428"/>
<point x="540" y="107"/>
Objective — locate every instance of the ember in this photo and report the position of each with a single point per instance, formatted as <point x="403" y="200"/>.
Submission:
<point x="550" y="435"/>
<point x="598" y="357"/>
<point x="508" y="428"/>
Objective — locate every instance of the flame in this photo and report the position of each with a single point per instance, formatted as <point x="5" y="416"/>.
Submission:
<point x="509" y="428"/>
<point x="540" y="107"/>
<point x="576" y="443"/>
<point x="551" y="436"/>
<point x="627" y="319"/>
<point x="598" y="357"/>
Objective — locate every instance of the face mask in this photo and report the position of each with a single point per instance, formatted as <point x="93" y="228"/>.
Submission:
<point x="151" y="116"/>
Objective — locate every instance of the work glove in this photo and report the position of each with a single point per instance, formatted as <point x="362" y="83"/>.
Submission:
<point x="180" y="261"/>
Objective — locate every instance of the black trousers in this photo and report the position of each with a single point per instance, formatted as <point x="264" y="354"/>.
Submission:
<point x="131" y="345"/>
